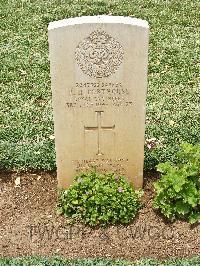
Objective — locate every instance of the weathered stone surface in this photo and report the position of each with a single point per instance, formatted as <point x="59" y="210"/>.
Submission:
<point x="99" y="81"/>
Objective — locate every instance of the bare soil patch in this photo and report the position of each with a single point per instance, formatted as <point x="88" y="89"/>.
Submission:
<point x="29" y="225"/>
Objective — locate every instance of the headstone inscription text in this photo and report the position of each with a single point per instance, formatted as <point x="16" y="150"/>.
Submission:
<point x="98" y="75"/>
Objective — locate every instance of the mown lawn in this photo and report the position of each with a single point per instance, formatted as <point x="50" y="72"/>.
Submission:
<point x="96" y="262"/>
<point x="26" y="125"/>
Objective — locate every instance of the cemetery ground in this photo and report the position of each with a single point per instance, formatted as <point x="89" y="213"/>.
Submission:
<point x="31" y="226"/>
<point x="28" y="220"/>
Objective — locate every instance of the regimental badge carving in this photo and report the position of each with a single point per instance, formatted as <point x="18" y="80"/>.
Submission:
<point x="99" y="55"/>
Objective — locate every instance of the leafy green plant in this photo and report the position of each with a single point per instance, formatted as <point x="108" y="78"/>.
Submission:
<point x="100" y="199"/>
<point x="178" y="190"/>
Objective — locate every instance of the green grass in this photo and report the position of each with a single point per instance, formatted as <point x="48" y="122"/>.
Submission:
<point x="25" y="103"/>
<point x="96" y="262"/>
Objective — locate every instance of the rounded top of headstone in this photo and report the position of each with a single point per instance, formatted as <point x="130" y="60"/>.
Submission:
<point x="98" y="19"/>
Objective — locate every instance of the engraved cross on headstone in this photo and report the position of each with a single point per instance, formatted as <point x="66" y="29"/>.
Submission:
<point x="99" y="128"/>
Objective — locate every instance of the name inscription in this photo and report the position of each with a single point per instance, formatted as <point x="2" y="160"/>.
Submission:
<point x="94" y="94"/>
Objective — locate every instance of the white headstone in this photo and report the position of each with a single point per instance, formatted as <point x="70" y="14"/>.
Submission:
<point x="99" y="82"/>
